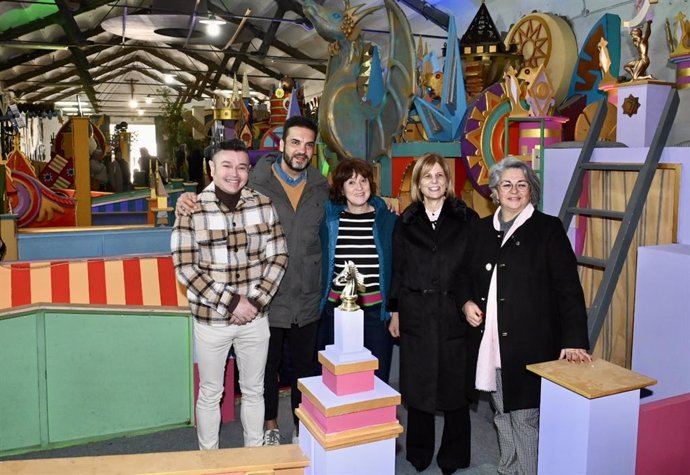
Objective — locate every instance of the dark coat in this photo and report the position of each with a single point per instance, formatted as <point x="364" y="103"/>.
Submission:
<point x="541" y="306"/>
<point x="426" y="267"/>
<point x="297" y="299"/>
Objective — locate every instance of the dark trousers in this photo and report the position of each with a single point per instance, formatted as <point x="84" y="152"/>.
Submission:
<point x="377" y="338"/>
<point x="302" y="347"/>
<point x="454" y="452"/>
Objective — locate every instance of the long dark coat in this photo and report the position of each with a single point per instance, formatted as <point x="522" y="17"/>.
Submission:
<point x="426" y="266"/>
<point x="541" y="306"/>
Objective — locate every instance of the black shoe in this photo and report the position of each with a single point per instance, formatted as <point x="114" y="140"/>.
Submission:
<point x="448" y="471"/>
<point x="419" y="467"/>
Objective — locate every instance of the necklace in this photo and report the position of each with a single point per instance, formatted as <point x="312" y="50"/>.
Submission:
<point x="433" y="213"/>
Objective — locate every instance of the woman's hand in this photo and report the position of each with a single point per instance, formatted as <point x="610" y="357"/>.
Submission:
<point x="186" y="204"/>
<point x="473" y="313"/>
<point x="394" y="325"/>
<point x="575" y="355"/>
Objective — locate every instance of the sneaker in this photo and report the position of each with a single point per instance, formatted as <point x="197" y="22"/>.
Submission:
<point x="295" y="437"/>
<point x="272" y="437"/>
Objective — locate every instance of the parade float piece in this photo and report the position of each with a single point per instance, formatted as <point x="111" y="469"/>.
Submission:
<point x="353" y="127"/>
<point x="347" y="417"/>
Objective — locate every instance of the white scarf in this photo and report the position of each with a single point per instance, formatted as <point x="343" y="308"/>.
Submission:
<point x="489" y="352"/>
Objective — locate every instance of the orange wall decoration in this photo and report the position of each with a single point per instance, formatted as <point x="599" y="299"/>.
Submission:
<point x="146" y="281"/>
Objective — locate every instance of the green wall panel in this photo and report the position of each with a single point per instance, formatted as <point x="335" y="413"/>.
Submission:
<point x="19" y="383"/>
<point x="111" y="373"/>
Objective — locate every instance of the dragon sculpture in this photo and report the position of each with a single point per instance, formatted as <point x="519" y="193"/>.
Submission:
<point x="351" y="125"/>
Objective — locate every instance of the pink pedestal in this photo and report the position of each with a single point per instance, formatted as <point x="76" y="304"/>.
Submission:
<point x="347" y="416"/>
<point x="227" y="404"/>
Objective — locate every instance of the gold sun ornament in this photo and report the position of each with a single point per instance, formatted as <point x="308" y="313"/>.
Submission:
<point x="548" y="40"/>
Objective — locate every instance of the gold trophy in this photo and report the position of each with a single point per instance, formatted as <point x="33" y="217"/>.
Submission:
<point x="353" y="282"/>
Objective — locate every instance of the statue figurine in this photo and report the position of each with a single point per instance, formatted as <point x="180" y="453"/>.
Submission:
<point x="353" y="281"/>
<point x="638" y="67"/>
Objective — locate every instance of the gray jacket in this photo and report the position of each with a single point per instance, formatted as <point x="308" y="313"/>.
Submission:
<point x="297" y="299"/>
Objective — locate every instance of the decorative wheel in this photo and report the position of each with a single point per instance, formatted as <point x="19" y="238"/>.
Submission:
<point x="546" y="39"/>
<point x="584" y="121"/>
<point x="482" y="129"/>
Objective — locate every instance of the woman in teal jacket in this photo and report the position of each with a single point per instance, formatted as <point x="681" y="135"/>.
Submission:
<point x="359" y="227"/>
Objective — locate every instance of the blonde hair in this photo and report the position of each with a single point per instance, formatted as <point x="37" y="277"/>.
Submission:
<point x="421" y="167"/>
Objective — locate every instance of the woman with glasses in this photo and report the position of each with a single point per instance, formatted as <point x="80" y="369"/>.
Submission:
<point x="428" y="245"/>
<point x="523" y="299"/>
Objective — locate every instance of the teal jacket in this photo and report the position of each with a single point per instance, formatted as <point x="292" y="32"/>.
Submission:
<point x="384" y="223"/>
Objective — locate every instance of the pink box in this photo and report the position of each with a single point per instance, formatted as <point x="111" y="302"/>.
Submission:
<point x="227" y="404"/>
<point x="355" y="420"/>
<point x="350" y="383"/>
<point x="663" y="434"/>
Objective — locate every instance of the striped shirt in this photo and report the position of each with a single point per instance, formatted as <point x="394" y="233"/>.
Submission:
<point x="219" y="253"/>
<point x="356" y="243"/>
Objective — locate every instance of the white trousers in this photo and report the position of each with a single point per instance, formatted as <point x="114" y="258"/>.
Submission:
<point x="211" y="346"/>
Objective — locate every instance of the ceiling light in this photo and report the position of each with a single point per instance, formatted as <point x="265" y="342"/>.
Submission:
<point x="148" y="99"/>
<point x="213" y="24"/>
<point x="133" y="103"/>
<point x="168" y="78"/>
<point x="140" y="112"/>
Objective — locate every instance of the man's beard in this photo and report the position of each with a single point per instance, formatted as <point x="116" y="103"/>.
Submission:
<point x="290" y="163"/>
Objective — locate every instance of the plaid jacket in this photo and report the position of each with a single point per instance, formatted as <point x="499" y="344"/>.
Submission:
<point x="218" y="253"/>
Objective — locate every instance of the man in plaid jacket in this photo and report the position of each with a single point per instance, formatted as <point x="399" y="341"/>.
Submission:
<point x="231" y="254"/>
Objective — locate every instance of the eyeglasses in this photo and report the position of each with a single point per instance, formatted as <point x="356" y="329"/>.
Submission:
<point x="507" y="186"/>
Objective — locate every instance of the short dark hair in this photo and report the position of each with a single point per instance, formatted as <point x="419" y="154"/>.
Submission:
<point x="344" y="171"/>
<point x="234" y="145"/>
<point x="299" y="121"/>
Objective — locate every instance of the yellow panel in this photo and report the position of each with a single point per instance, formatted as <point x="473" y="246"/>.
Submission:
<point x="5" y="287"/>
<point x="115" y="282"/>
<point x="150" y="285"/>
<point x="79" y="282"/>
<point x="40" y="282"/>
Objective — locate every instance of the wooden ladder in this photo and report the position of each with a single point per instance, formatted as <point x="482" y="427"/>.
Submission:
<point x="613" y="265"/>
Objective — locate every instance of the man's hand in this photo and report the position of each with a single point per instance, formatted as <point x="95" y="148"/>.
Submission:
<point x="186" y="204"/>
<point x="245" y="312"/>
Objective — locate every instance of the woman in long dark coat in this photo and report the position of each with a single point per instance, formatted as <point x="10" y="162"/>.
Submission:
<point x="523" y="299"/>
<point x="428" y="245"/>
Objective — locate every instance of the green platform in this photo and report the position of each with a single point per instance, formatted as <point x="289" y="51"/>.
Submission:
<point x="71" y="375"/>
